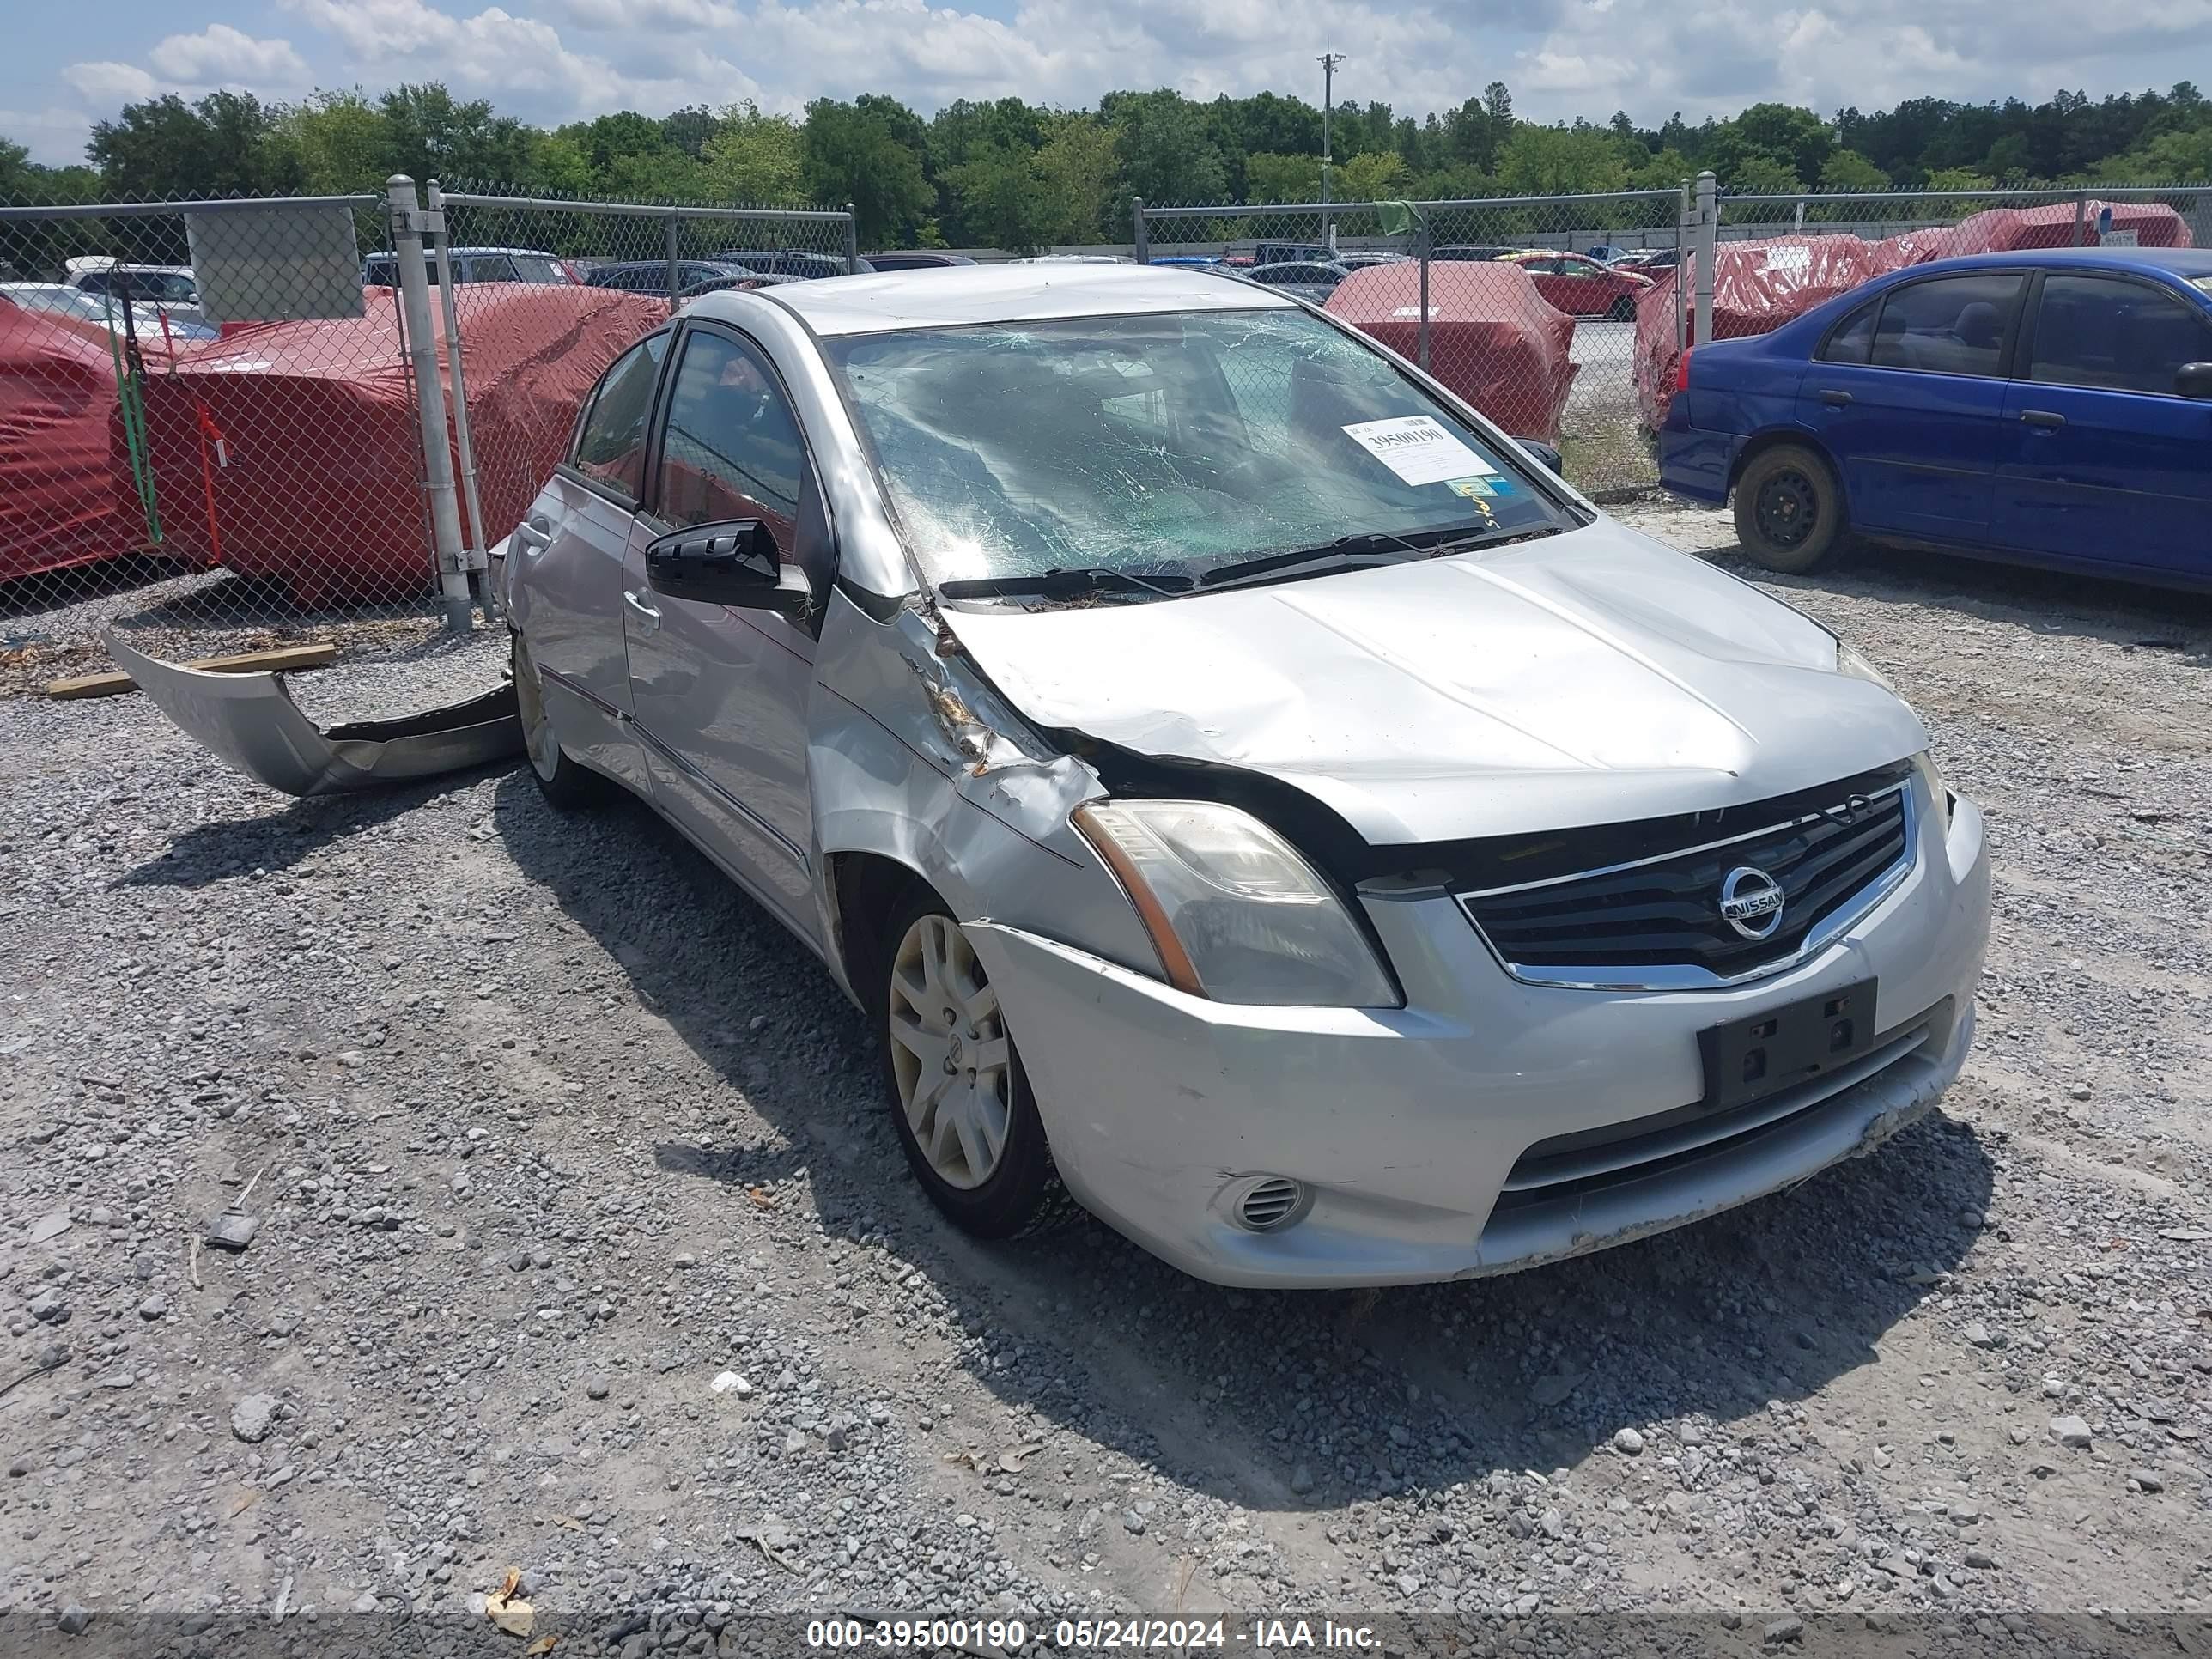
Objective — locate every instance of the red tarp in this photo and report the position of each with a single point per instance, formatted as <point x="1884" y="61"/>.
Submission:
<point x="1492" y="338"/>
<point x="64" y="499"/>
<point x="322" y="491"/>
<point x="1759" y="286"/>
<point x="2007" y="230"/>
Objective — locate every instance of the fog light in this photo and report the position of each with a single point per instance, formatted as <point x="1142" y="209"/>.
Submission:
<point x="1271" y="1204"/>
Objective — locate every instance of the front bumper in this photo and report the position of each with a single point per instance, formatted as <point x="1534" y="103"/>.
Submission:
<point x="1406" y="1125"/>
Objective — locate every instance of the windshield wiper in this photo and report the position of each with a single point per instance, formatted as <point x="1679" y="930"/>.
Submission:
<point x="1064" y="583"/>
<point x="1362" y="549"/>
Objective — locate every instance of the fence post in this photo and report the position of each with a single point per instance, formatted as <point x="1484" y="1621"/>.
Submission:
<point x="1427" y="240"/>
<point x="1683" y="207"/>
<point x="852" y="241"/>
<point x="1708" y="233"/>
<point x="675" y="276"/>
<point x="409" y="222"/>
<point x="475" y="538"/>
<point x="2081" y="213"/>
<point x="1143" y="239"/>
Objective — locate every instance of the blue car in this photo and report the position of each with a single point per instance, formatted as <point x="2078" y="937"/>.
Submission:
<point x="2049" y="408"/>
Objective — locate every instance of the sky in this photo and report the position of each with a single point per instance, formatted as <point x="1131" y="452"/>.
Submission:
<point x="555" y="60"/>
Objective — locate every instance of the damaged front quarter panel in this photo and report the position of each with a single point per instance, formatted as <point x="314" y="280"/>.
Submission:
<point x="913" y="756"/>
<point x="250" y="722"/>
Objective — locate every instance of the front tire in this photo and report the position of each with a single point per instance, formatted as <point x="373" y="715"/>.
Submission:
<point x="1790" y="509"/>
<point x="959" y="1098"/>
<point x="568" y="785"/>
<point x="1623" y="310"/>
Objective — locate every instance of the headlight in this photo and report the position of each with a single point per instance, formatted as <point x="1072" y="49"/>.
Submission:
<point x="1234" y="912"/>
<point x="1849" y="661"/>
<point x="1939" y="798"/>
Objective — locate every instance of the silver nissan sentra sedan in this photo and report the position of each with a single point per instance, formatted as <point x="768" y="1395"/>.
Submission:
<point x="1249" y="795"/>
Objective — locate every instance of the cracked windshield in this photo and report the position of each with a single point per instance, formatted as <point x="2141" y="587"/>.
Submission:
<point x="1156" y="454"/>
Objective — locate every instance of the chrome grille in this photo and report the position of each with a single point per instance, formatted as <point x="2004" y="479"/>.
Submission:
<point x="1657" y="922"/>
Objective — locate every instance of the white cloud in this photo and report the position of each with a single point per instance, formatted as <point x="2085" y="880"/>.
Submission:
<point x="553" y="60"/>
<point x="220" y="55"/>
<point x="520" y="63"/>
<point x="54" y="135"/>
<point x="105" y="85"/>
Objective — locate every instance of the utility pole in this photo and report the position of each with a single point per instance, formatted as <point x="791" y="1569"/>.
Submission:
<point x="1329" y="60"/>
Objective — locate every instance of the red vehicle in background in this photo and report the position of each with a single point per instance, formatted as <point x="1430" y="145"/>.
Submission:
<point x="1581" y="286"/>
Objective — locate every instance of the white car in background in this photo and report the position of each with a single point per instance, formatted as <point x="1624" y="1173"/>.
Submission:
<point x="152" y="321"/>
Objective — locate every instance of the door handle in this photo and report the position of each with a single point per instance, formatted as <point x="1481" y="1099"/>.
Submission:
<point x="1835" y="399"/>
<point x="635" y="601"/>
<point x="533" y="535"/>
<point x="2043" y="417"/>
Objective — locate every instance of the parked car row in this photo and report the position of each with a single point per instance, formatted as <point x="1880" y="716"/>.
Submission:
<point x="649" y="277"/>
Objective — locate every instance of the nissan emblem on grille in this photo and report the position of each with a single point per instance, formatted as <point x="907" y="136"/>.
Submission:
<point x="1751" y="902"/>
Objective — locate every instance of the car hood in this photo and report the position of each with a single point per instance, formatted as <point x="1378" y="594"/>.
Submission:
<point x="1591" y="677"/>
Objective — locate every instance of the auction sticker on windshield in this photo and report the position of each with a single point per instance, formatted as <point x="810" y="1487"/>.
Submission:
<point x="1418" y="449"/>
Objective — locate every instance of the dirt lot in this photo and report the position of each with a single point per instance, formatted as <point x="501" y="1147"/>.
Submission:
<point x="548" y="1129"/>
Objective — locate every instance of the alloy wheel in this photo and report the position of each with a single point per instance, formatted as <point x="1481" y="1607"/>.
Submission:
<point x="949" y="1056"/>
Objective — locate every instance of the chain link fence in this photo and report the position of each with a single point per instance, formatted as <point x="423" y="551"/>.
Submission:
<point x="1563" y="318"/>
<point x="1511" y="303"/>
<point x="212" y="412"/>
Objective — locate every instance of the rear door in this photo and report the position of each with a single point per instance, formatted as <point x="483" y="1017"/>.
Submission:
<point x="1907" y="394"/>
<point x="2101" y="458"/>
<point x="566" y="559"/>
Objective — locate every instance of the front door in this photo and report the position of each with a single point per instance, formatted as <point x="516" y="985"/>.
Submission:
<point x="1907" y="396"/>
<point x="2099" y="458"/>
<point x="721" y="693"/>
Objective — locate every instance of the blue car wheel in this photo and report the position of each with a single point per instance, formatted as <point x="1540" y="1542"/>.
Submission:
<point x="1789" y="511"/>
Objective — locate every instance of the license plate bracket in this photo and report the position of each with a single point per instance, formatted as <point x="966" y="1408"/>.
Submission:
<point x="1762" y="1054"/>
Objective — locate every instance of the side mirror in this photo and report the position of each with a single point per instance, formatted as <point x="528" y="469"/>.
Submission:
<point x="734" y="563"/>
<point x="1545" y="453"/>
<point x="2193" y="380"/>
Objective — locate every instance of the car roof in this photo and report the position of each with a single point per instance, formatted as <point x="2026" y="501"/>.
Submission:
<point x="2178" y="261"/>
<point x="959" y="295"/>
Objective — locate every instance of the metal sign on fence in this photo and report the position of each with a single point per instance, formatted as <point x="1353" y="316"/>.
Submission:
<point x="277" y="262"/>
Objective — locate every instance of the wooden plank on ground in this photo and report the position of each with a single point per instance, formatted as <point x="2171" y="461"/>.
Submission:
<point x="276" y="659"/>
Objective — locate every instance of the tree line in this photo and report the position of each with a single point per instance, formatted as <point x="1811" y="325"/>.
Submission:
<point x="1011" y="174"/>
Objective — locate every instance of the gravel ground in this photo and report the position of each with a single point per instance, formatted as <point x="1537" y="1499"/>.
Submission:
<point x="51" y="626"/>
<point x="586" y="1248"/>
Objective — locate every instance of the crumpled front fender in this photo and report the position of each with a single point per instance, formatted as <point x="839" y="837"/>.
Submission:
<point x="250" y="722"/>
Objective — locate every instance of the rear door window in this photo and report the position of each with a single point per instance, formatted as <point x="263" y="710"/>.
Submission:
<point x="1949" y="325"/>
<point x="610" y="446"/>
<point x="1851" y="340"/>
<point x="2113" y="334"/>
